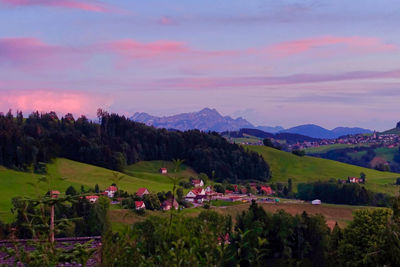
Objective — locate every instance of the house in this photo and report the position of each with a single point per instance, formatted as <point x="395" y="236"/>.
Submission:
<point x="266" y="190"/>
<point x="208" y="189"/>
<point x="92" y="199"/>
<point x="54" y="193"/>
<point x="167" y="204"/>
<point x="199" y="199"/>
<point x="163" y="170"/>
<point x="316" y="202"/>
<point x="227" y="192"/>
<point x="197" y="183"/>
<point x="192" y="194"/>
<point x="111" y="190"/>
<point x="139" y="205"/>
<point x="142" y="191"/>
<point x="355" y="180"/>
<point x="236" y="188"/>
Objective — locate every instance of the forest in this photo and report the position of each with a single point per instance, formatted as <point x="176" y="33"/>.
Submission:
<point x="115" y="141"/>
<point x="336" y="192"/>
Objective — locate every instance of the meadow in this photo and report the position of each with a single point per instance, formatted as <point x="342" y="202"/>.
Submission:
<point x="63" y="173"/>
<point x="285" y="165"/>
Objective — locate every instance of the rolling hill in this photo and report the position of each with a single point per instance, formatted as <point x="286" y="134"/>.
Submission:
<point x="143" y="174"/>
<point x="285" y="165"/>
<point x="320" y="132"/>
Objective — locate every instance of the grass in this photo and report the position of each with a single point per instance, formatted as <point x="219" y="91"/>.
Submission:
<point x="327" y="148"/>
<point x="14" y="183"/>
<point x="221" y="203"/>
<point x="285" y="165"/>
<point x="150" y="170"/>
<point x="342" y="214"/>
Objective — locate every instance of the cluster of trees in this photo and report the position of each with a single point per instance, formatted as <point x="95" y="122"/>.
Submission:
<point x="342" y="193"/>
<point x="289" y="138"/>
<point x="116" y="141"/>
<point x="259" y="238"/>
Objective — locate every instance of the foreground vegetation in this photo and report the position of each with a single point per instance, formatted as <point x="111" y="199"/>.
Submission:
<point x="255" y="238"/>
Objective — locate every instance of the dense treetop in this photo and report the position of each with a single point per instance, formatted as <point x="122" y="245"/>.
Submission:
<point x="115" y="141"/>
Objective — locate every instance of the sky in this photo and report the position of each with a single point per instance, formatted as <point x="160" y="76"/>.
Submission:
<point x="331" y="63"/>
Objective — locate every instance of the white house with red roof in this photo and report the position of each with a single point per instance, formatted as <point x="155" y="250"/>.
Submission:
<point x="195" y="195"/>
<point x="142" y="191"/>
<point x="111" y="190"/>
<point x="92" y="199"/>
<point x="208" y="189"/>
<point x="198" y="183"/>
<point x="139" y="205"/>
<point x="163" y="170"/>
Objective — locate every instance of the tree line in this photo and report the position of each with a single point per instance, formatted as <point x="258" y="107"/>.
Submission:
<point x="115" y="141"/>
<point x="342" y="193"/>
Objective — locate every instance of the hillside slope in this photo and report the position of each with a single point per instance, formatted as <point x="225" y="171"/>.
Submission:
<point x="15" y="183"/>
<point x="285" y="165"/>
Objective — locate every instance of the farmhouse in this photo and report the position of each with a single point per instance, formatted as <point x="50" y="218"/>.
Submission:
<point x="195" y="194"/>
<point x="209" y="189"/>
<point x="139" y="205"/>
<point x="142" y="191"/>
<point x="266" y="190"/>
<point x="355" y="180"/>
<point x="316" y="202"/>
<point x="167" y="204"/>
<point x="111" y="190"/>
<point x="163" y="170"/>
<point x="197" y="183"/>
<point x="92" y="199"/>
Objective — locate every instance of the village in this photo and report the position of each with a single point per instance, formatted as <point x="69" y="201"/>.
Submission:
<point x="381" y="140"/>
<point x="200" y="194"/>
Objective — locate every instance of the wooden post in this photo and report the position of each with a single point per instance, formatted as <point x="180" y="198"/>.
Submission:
<point x="53" y="194"/>
<point x="52" y="224"/>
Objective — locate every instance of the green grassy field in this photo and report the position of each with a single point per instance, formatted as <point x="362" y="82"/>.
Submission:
<point x="285" y="165"/>
<point x="324" y="149"/>
<point x="15" y="183"/>
<point x="150" y="170"/>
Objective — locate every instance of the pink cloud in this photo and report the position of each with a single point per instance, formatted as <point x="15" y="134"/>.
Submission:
<point x="136" y="49"/>
<point x="166" y="21"/>
<point x="354" y="43"/>
<point x="75" y="102"/>
<point x="255" y="81"/>
<point x="93" y="6"/>
<point x="32" y="54"/>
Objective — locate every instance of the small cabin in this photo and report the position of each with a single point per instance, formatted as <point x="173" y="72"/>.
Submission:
<point x="139" y="205"/>
<point x="92" y="199"/>
<point x="163" y="170"/>
<point x="316" y="202"/>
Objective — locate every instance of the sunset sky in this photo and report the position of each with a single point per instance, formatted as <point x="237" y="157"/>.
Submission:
<point x="332" y="63"/>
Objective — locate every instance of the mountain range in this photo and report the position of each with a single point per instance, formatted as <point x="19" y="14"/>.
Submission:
<point x="211" y="120"/>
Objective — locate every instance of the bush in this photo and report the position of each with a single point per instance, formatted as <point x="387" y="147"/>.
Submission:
<point x="299" y="152"/>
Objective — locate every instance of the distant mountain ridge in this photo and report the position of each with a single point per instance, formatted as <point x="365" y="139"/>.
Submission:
<point x="205" y="120"/>
<point x="316" y="131"/>
<point x="210" y="120"/>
